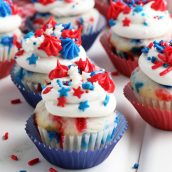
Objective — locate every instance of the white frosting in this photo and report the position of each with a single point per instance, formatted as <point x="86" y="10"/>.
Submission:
<point x="46" y="63"/>
<point x="146" y="67"/>
<point x="125" y="44"/>
<point x="10" y="23"/>
<point x="95" y="98"/>
<point x="137" y="29"/>
<point x="62" y="8"/>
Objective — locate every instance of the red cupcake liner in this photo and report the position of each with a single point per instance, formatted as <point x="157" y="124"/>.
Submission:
<point x="102" y="6"/>
<point x="124" y="66"/>
<point x="161" y="119"/>
<point x="5" y="68"/>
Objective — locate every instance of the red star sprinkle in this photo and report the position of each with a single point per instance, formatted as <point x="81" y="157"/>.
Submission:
<point x="126" y="22"/>
<point x="78" y="92"/>
<point x="61" y="101"/>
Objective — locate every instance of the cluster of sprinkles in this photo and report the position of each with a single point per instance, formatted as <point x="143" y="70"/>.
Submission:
<point x="82" y="78"/>
<point x="164" y="58"/>
<point x="53" y="39"/>
<point x="133" y="7"/>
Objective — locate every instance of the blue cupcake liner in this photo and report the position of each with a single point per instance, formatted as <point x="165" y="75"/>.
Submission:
<point x="31" y="97"/>
<point x="87" y="40"/>
<point x="73" y="159"/>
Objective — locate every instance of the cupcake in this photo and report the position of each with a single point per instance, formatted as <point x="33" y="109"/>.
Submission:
<point x="150" y="87"/>
<point x="39" y="53"/>
<point x="77" y="116"/>
<point x="78" y="12"/>
<point x="133" y="26"/>
<point x="9" y="35"/>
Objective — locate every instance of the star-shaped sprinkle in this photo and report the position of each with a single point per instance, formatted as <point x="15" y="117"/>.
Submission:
<point x="78" y="92"/>
<point x="106" y="101"/>
<point x="83" y="106"/>
<point x="126" y="22"/>
<point x="32" y="59"/>
<point x="61" y="101"/>
<point x="64" y="91"/>
<point x="88" y="86"/>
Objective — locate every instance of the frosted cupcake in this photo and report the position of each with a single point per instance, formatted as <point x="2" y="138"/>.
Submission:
<point x="151" y="85"/>
<point x="40" y="51"/>
<point x="78" y="12"/>
<point x="133" y="26"/>
<point x="77" y="116"/>
<point x="9" y="33"/>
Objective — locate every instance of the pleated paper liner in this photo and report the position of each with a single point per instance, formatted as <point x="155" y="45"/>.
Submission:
<point x="5" y="68"/>
<point x="31" y="97"/>
<point x="75" y="159"/>
<point x="87" y="39"/>
<point x="156" y="117"/>
<point x="124" y="66"/>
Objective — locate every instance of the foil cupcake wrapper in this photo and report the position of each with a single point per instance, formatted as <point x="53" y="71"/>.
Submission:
<point x="31" y="97"/>
<point x="89" y="141"/>
<point x="161" y="119"/>
<point x="87" y="39"/>
<point x="74" y="159"/>
<point x="5" y="68"/>
<point x="124" y="66"/>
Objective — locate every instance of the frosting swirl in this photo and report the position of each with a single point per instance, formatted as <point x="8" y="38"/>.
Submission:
<point x="79" y="94"/>
<point x="140" y="20"/>
<point x="64" y="8"/>
<point x="9" y="19"/>
<point x="156" y="62"/>
<point x="41" y="50"/>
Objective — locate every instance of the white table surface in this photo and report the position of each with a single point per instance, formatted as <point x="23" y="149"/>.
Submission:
<point x="13" y="117"/>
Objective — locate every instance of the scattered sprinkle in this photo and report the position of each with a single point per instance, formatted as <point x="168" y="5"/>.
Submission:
<point x="33" y="161"/>
<point x="52" y="170"/>
<point x="14" y="157"/>
<point x="5" y="136"/>
<point x="135" y="166"/>
<point x="16" y="101"/>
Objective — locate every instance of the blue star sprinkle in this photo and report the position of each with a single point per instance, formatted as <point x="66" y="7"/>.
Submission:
<point x="106" y="101"/>
<point x="64" y="91"/>
<point x="88" y="86"/>
<point x="32" y="59"/>
<point x="83" y="105"/>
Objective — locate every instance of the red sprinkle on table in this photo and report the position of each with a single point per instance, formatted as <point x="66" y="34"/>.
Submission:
<point x="5" y="136"/>
<point x="52" y="170"/>
<point x="33" y="161"/>
<point x="16" y="101"/>
<point x="14" y="157"/>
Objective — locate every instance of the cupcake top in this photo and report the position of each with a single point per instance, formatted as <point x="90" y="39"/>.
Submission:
<point x="156" y="62"/>
<point x="63" y="7"/>
<point x="80" y="90"/>
<point x="139" y="19"/>
<point x="40" y="50"/>
<point x="9" y="18"/>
